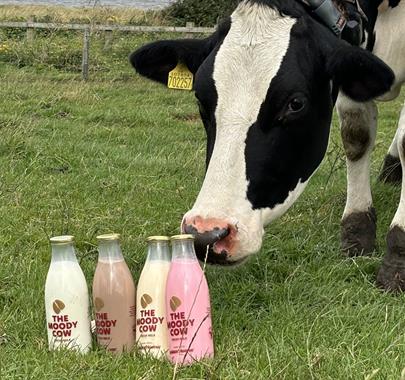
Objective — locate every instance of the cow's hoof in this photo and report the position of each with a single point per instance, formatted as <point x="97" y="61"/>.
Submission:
<point x="391" y="276"/>
<point x="391" y="171"/>
<point x="358" y="233"/>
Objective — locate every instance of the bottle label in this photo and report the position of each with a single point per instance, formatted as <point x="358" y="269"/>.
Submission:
<point x="179" y="325"/>
<point x="148" y="322"/>
<point x="113" y="332"/>
<point x="104" y="325"/>
<point x="151" y="326"/>
<point x="190" y="333"/>
<point x="60" y="325"/>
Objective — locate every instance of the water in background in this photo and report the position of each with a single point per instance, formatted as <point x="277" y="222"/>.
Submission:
<point x="89" y="3"/>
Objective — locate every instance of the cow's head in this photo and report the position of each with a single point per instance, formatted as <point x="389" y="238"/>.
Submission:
<point x="266" y="83"/>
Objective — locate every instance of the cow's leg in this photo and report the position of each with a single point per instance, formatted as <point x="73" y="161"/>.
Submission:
<point x="358" y="123"/>
<point x="392" y="169"/>
<point x="391" y="275"/>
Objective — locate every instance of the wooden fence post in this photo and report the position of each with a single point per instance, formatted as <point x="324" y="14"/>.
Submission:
<point x="30" y="31"/>
<point x="189" y="25"/>
<point x="108" y="37"/>
<point x="86" y="54"/>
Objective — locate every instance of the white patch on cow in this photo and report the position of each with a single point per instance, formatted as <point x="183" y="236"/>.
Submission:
<point x="249" y="58"/>
<point x="271" y="214"/>
<point x="390" y="45"/>
<point x="358" y="115"/>
<point x="399" y="218"/>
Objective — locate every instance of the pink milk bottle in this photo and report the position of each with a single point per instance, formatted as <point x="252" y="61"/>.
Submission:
<point x="187" y="305"/>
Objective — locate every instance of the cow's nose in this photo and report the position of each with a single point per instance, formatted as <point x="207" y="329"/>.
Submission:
<point x="206" y="237"/>
<point x="218" y="234"/>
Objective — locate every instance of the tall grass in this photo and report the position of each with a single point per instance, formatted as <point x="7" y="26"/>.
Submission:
<point x="97" y="15"/>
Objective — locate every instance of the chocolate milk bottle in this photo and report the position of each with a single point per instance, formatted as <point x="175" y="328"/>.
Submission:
<point x="151" y="323"/>
<point x="66" y="299"/>
<point x="113" y="297"/>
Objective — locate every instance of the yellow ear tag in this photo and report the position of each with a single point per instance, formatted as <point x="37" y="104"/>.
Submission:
<point x="181" y="78"/>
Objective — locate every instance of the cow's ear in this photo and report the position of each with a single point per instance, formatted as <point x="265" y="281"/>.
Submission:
<point x="359" y="74"/>
<point x="157" y="59"/>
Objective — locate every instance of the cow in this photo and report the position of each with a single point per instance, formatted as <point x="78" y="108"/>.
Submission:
<point x="266" y="83"/>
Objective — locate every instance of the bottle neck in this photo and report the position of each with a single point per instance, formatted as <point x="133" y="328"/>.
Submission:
<point x="183" y="250"/>
<point x="110" y="251"/>
<point x="158" y="251"/>
<point x="63" y="252"/>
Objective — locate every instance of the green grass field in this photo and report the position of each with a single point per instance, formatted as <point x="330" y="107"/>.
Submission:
<point x="122" y="154"/>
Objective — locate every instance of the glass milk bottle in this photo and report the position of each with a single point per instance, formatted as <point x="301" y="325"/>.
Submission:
<point x="188" y="305"/>
<point x="66" y="299"/>
<point x="151" y="324"/>
<point x="113" y="297"/>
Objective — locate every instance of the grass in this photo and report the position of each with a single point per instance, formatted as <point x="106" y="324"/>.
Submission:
<point x="97" y="15"/>
<point x="123" y="154"/>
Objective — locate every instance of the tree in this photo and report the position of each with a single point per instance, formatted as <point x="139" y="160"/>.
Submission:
<point x="202" y="13"/>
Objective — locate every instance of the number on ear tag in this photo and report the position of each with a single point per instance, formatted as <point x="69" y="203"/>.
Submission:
<point x="181" y="78"/>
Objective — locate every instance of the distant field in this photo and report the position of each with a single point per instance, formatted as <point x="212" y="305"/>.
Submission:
<point x="122" y="154"/>
<point x="84" y="15"/>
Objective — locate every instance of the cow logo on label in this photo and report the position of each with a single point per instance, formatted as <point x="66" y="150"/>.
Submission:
<point x="175" y="303"/>
<point x="58" y="306"/>
<point x="146" y="300"/>
<point x="98" y="303"/>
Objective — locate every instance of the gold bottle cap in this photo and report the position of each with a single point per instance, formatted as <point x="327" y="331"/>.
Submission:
<point x="108" y="237"/>
<point x="158" y="238"/>
<point x="60" y="240"/>
<point x="182" y="237"/>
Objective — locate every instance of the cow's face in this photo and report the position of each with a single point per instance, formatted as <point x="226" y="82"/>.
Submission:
<point x="264" y="86"/>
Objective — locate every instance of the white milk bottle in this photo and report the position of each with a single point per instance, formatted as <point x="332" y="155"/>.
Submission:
<point x="151" y="324"/>
<point x="66" y="299"/>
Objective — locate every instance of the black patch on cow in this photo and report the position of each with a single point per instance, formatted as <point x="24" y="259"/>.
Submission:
<point x="207" y="96"/>
<point x="284" y="147"/>
<point x="391" y="276"/>
<point x="358" y="233"/>
<point x="393" y="3"/>
<point x="356" y="138"/>
<point x="361" y="76"/>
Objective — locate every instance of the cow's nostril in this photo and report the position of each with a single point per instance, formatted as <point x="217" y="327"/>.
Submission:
<point x="207" y="237"/>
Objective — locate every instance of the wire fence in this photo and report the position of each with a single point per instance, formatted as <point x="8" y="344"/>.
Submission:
<point x="188" y="31"/>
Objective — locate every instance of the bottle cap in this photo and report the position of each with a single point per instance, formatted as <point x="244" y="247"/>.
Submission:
<point x="62" y="240"/>
<point x="182" y="237"/>
<point x="158" y="238"/>
<point x="108" y="237"/>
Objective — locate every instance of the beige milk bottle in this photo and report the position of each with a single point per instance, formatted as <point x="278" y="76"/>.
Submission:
<point x="66" y="299"/>
<point x="113" y="297"/>
<point x="151" y="324"/>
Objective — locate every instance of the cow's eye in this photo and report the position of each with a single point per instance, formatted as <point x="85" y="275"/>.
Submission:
<point x="296" y="105"/>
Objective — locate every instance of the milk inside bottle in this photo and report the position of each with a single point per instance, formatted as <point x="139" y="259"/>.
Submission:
<point x="66" y="299"/>
<point x="113" y="297"/>
<point x="188" y="305"/>
<point x="151" y="323"/>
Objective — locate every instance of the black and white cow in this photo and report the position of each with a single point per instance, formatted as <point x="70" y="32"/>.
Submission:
<point x="266" y="82"/>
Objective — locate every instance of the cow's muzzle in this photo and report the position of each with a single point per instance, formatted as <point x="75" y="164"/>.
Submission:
<point x="215" y="239"/>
